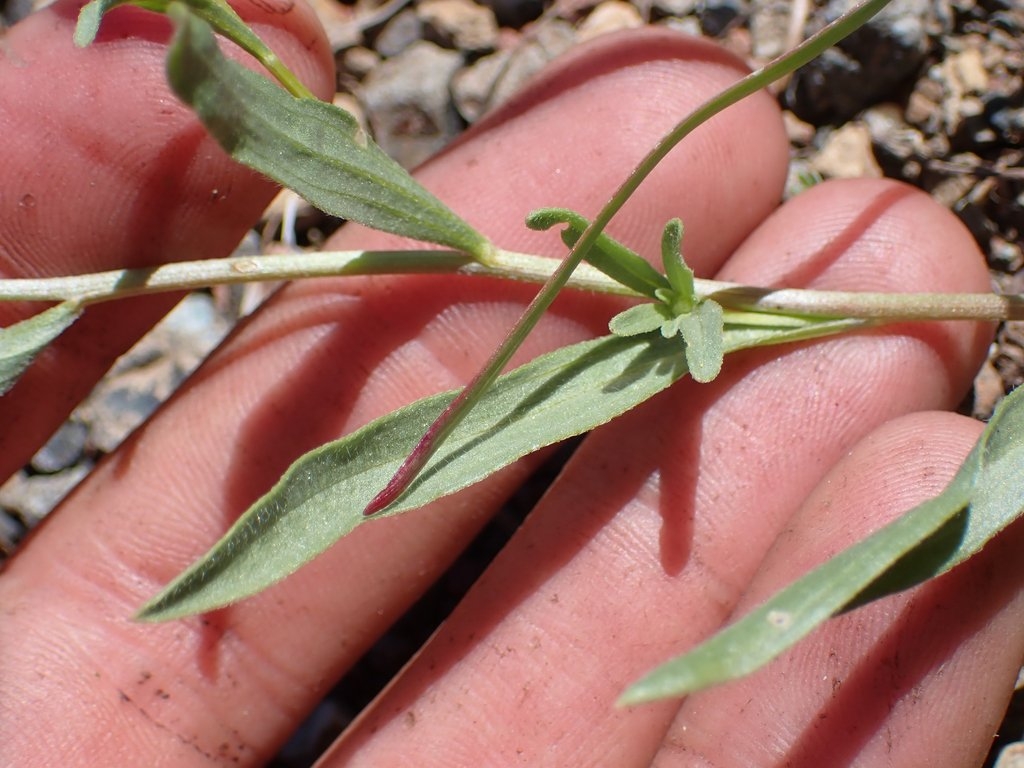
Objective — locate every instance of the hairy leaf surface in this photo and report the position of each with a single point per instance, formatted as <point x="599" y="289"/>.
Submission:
<point x="21" y="342"/>
<point x="316" y="149"/>
<point x="322" y="496"/>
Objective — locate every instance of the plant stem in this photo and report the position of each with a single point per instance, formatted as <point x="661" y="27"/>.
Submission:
<point x="188" y="275"/>
<point x="759" y="303"/>
<point x="882" y="307"/>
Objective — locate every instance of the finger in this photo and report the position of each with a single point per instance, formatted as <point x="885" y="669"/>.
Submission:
<point x="113" y="173"/>
<point x="919" y="678"/>
<point x="652" y="532"/>
<point x="322" y="359"/>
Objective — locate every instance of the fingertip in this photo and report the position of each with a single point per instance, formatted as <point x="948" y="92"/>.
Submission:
<point x="862" y="234"/>
<point x="875" y="235"/>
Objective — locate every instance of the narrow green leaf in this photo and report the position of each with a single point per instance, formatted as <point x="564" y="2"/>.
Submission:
<point x="764" y="633"/>
<point x="680" y="276"/>
<point x="322" y="496"/>
<point x="997" y="494"/>
<point x="312" y="147"/>
<point x="608" y="255"/>
<point x="643" y="318"/>
<point x="703" y="331"/>
<point x="984" y="497"/>
<point x="21" y="342"/>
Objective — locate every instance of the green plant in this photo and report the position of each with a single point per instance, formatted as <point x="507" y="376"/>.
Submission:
<point x="687" y="326"/>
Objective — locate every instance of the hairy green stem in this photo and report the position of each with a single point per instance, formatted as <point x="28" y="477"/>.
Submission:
<point x="749" y="305"/>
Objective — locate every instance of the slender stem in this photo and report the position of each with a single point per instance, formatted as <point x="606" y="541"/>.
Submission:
<point x="188" y="275"/>
<point x="884" y="307"/>
<point x="758" y="303"/>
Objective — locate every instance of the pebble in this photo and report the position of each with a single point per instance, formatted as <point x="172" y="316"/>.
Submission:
<point x="669" y="9"/>
<point x="408" y="103"/>
<point x="491" y="80"/>
<point x="63" y="450"/>
<point x="399" y="33"/>
<point x="1011" y="756"/>
<point x="769" y="29"/>
<point x="148" y="373"/>
<point x="31" y="497"/>
<point x="459" y="24"/>
<point x="609" y="16"/>
<point x="847" y="154"/>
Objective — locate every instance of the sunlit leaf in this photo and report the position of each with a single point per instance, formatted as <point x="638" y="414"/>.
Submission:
<point x="702" y="330"/>
<point x="316" y="149"/>
<point x="643" y="318"/>
<point x="983" y="498"/>
<point x="21" y="342"/>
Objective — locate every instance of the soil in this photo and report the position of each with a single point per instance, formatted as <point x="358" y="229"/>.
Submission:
<point x="931" y="93"/>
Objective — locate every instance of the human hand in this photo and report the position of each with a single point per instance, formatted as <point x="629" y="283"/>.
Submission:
<point x="698" y="504"/>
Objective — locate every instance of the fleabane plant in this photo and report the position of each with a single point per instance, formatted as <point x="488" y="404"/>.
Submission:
<point x="680" y="326"/>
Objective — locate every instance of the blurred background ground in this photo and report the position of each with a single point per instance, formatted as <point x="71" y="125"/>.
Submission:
<point x="930" y="93"/>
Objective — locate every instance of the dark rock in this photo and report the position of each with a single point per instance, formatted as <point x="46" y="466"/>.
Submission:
<point x="716" y="16"/>
<point x="871" y="65"/>
<point x="408" y="103"/>
<point x="515" y="13"/>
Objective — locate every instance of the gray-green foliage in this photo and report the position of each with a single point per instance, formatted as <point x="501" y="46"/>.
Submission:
<point x="316" y="149"/>
<point x="322" y="496"/>
<point x="21" y="342"/>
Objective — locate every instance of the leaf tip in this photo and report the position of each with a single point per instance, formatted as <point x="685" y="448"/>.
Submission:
<point x="88" y="24"/>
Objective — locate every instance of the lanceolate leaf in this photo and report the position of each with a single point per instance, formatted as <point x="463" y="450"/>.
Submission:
<point x="322" y="496"/>
<point x="316" y="149"/>
<point x="21" y="342"/>
<point x="983" y="498"/>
